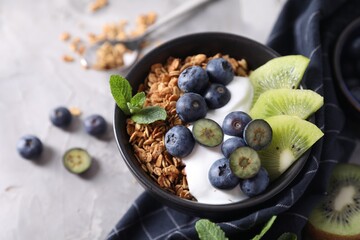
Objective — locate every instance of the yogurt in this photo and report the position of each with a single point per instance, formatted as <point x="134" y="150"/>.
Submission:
<point x="201" y="158"/>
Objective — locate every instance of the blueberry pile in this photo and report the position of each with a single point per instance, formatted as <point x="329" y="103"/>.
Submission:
<point x="351" y="66"/>
<point x="206" y="89"/>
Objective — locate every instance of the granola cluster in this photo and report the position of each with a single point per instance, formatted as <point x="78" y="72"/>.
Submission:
<point x="147" y="140"/>
<point x="109" y="56"/>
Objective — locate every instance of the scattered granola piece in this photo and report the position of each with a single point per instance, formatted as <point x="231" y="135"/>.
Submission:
<point x="97" y="5"/>
<point x="75" y="111"/>
<point x="65" y="36"/>
<point x="67" y="58"/>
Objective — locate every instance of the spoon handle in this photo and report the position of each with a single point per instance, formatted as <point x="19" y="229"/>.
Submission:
<point x="183" y="8"/>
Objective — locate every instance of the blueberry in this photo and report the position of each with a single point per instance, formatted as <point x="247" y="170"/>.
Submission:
<point x="217" y="96"/>
<point x="95" y="125"/>
<point x="179" y="141"/>
<point x="219" y="71"/>
<point x="230" y="145"/>
<point x="193" y="79"/>
<point x="235" y="122"/>
<point x="258" y="134"/>
<point x="191" y="107"/>
<point x="220" y="175"/>
<point x="255" y="185"/>
<point x="29" y="147"/>
<point x="60" y="117"/>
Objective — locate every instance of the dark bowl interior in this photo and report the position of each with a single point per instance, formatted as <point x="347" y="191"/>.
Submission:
<point x="343" y="66"/>
<point x="210" y="44"/>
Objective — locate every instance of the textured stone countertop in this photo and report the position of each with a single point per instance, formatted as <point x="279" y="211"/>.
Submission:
<point x="43" y="200"/>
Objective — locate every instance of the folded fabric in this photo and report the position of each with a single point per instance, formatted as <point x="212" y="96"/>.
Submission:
<point x="309" y="28"/>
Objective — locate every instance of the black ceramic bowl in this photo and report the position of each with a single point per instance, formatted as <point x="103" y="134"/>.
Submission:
<point x="210" y="44"/>
<point x="347" y="68"/>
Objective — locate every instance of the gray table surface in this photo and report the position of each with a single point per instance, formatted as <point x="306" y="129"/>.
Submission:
<point x="42" y="200"/>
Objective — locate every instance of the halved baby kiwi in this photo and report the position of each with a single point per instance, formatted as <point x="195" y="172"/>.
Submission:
<point x="337" y="216"/>
<point x="245" y="162"/>
<point x="77" y="160"/>
<point x="280" y="72"/>
<point x="207" y="132"/>
<point x="295" y="102"/>
<point x="292" y="136"/>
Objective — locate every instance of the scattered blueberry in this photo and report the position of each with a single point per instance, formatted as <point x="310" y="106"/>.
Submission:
<point x="217" y="96"/>
<point x="193" y="79"/>
<point x="230" y="145"/>
<point x="95" y="125"/>
<point x="29" y="147"/>
<point x="221" y="176"/>
<point x="60" y="117"/>
<point x="235" y="122"/>
<point x="255" y="185"/>
<point x="179" y="141"/>
<point x="219" y="71"/>
<point x="191" y="107"/>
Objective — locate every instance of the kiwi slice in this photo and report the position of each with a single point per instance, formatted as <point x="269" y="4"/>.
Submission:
<point x="77" y="160"/>
<point x="281" y="72"/>
<point x="292" y="136"/>
<point x="295" y="102"/>
<point x="337" y="216"/>
<point x="207" y="132"/>
<point x="244" y="162"/>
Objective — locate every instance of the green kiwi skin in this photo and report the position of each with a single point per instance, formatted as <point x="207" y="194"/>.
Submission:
<point x="327" y="223"/>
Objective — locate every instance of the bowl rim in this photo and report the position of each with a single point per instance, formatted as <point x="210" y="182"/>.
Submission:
<point x="343" y="37"/>
<point x="191" y="205"/>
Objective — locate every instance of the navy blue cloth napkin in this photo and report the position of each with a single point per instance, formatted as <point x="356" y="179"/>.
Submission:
<point x="310" y="28"/>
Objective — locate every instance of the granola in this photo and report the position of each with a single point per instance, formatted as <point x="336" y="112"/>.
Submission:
<point x="147" y="141"/>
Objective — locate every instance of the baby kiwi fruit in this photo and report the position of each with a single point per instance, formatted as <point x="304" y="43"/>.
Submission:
<point x="337" y="216"/>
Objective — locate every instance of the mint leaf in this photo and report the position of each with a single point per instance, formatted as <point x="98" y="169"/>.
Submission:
<point x="288" y="236"/>
<point x="265" y="228"/>
<point x="121" y="91"/>
<point x="209" y="231"/>
<point x="149" y="114"/>
<point x="138" y="99"/>
<point x="136" y="103"/>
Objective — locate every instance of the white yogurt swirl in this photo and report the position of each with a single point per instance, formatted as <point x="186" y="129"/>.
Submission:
<point x="201" y="158"/>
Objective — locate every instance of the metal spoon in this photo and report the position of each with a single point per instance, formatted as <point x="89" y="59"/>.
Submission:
<point x="134" y="44"/>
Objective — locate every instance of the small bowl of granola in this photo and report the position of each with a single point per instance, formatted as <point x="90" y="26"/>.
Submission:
<point x="191" y="143"/>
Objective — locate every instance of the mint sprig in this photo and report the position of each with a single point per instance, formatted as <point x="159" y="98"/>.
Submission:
<point x="134" y="105"/>
<point x="208" y="230"/>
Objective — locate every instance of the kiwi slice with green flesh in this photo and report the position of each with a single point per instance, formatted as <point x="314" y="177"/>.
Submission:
<point x="77" y="160"/>
<point x="292" y="136"/>
<point x="337" y="216"/>
<point x="280" y="72"/>
<point x="295" y="102"/>
<point x="207" y="132"/>
<point x="244" y="162"/>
